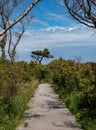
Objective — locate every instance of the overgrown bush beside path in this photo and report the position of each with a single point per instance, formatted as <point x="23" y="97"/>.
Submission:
<point x="17" y="86"/>
<point x="75" y="83"/>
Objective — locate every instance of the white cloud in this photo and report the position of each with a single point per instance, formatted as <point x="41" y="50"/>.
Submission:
<point x="56" y="37"/>
<point x="55" y="28"/>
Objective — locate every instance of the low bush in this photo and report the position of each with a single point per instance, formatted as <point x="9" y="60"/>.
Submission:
<point x="75" y="83"/>
<point x="17" y="86"/>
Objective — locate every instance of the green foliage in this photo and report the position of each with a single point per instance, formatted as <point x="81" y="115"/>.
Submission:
<point x="26" y="124"/>
<point x="39" y="71"/>
<point x="17" y="85"/>
<point x="18" y="104"/>
<point x="75" y="83"/>
<point x="39" y="55"/>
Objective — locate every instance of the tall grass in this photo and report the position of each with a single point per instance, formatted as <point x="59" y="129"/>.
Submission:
<point x="18" y="104"/>
<point x="72" y="101"/>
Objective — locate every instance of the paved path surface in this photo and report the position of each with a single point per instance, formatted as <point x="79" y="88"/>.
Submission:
<point x="48" y="112"/>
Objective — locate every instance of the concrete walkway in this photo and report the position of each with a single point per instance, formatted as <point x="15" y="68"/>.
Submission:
<point x="48" y="112"/>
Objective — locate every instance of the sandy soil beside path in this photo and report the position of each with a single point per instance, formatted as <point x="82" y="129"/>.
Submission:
<point x="48" y="112"/>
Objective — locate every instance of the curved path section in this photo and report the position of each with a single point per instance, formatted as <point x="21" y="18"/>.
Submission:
<point x="47" y="112"/>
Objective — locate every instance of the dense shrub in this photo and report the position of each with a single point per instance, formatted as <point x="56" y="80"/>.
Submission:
<point x="17" y="85"/>
<point x="75" y="83"/>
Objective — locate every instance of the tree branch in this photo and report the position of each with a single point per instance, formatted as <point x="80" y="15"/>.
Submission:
<point x="20" y="17"/>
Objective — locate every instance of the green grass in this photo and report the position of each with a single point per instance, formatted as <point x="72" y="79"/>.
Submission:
<point x="26" y="124"/>
<point x="72" y="101"/>
<point x="18" y="105"/>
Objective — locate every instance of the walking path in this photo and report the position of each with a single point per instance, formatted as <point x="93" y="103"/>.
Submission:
<point x="48" y="112"/>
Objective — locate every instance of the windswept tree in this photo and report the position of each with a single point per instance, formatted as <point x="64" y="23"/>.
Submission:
<point x="83" y="11"/>
<point x="39" y="55"/>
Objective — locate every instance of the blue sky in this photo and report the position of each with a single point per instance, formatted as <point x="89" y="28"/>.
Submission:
<point x="54" y="29"/>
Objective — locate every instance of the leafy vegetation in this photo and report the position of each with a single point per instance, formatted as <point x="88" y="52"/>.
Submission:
<point x="17" y="85"/>
<point x="75" y="83"/>
<point x="39" y="55"/>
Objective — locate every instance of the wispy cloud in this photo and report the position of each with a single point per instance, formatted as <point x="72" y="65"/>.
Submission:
<point x="56" y="16"/>
<point x="56" y="37"/>
<point x="40" y="22"/>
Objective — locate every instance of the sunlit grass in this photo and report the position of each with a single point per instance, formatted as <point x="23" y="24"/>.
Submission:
<point x="19" y="104"/>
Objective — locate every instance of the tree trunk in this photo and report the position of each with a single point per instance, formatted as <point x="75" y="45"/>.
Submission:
<point x="2" y="46"/>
